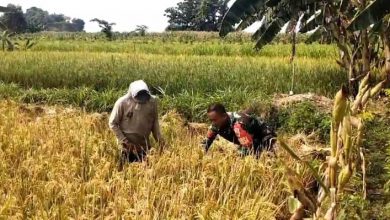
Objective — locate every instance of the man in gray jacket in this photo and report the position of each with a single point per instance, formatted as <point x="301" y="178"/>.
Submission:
<point x="133" y="118"/>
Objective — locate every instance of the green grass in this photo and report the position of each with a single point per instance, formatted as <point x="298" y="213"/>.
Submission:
<point x="186" y="70"/>
<point x="191" y="105"/>
<point x="304" y="117"/>
<point x="217" y="48"/>
<point x="189" y="83"/>
<point x="174" y="74"/>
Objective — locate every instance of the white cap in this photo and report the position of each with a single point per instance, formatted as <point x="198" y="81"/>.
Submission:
<point x="138" y="86"/>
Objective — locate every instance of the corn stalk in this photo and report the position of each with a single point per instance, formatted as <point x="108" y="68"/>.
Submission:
<point x="346" y="133"/>
<point x="386" y="44"/>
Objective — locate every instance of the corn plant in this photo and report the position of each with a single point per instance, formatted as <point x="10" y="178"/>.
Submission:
<point x="346" y="154"/>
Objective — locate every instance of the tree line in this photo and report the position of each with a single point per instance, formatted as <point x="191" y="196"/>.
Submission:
<point x="36" y="19"/>
<point x="187" y="15"/>
<point x="196" y="15"/>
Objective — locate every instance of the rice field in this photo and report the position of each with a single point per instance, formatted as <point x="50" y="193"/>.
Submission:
<point x="60" y="163"/>
<point x="186" y="76"/>
<point x="58" y="158"/>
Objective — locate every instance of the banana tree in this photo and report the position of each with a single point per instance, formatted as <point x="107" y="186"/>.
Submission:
<point x="361" y="38"/>
<point x="6" y="43"/>
<point x="5" y="37"/>
<point x="24" y="45"/>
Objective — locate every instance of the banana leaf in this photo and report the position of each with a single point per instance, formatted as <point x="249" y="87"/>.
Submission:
<point x="315" y="36"/>
<point x="372" y="14"/>
<point x="312" y="23"/>
<point x="240" y="10"/>
<point x="263" y="27"/>
<point x="269" y="34"/>
<point x="248" y="22"/>
<point x="291" y="25"/>
<point x="272" y="3"/>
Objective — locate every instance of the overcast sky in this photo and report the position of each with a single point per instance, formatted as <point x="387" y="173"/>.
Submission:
<point x="125" y="13"/>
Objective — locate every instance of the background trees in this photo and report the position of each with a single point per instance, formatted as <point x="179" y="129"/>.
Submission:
<point x="196" y="15"/>
<point x="36" y="19"/>
<point x="106" y="27"/>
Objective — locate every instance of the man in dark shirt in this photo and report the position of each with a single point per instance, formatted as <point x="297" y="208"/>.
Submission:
<point x="244" y="130"/>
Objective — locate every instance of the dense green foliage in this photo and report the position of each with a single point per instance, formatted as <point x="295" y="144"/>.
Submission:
<point x="304" y="117"/>
<point x="196" y="15"/>
<point x="36" y="19"/>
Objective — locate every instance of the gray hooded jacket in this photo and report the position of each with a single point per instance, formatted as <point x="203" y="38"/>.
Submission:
<point x="133" y="120"/>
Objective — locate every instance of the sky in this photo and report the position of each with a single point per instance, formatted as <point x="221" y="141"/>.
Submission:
<point x="126" y="14"/>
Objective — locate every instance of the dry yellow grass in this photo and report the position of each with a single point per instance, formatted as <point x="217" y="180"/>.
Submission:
<point x="57" y="163"/>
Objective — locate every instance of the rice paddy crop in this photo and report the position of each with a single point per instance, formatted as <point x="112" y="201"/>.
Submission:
<point x="182" y="81"/>
<point x="61" y="163"/>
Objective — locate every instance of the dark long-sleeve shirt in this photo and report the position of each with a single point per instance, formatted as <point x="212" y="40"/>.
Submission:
<point x="244" y="130"/>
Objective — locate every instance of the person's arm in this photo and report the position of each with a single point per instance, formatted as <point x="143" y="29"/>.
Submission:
<point x="156" y="131"/>
<point x="211" y="135"/>
<point x="245" y="139"/>
<point x="114" y="122"/>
